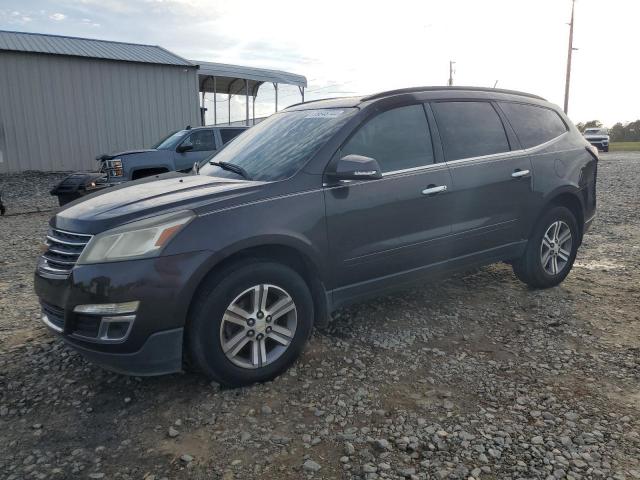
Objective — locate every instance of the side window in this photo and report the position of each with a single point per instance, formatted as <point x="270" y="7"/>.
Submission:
<point x="469" y="129"/>
<point x="533" y="125"/>
<point x="202" y="140"/>
<point x="397" y="139"/>
<point x="228" y="134"/>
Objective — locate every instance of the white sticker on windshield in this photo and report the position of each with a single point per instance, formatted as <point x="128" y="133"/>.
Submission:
<point x="324" y="113"/>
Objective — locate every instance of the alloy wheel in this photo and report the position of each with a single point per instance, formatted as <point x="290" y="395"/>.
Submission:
<point x="258" y="326"/>
<point x="555" y="250"/>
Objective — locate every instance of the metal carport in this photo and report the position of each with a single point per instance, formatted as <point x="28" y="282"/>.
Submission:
<point x="238" y="80"/>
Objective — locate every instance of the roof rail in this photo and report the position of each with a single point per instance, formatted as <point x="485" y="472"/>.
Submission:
<point x="457" y="88"/>
<point x="312" y="101"/>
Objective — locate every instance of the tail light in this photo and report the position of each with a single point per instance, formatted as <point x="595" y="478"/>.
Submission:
<point x="593" y="151"/>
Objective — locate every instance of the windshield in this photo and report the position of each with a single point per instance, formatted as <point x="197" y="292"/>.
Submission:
<point x="595" y="131"/>
<point x="278" y="147"/>
<point x="171" y="141"/>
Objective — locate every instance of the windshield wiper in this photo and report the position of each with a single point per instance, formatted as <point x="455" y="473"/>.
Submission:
<point x="232" y="167"/>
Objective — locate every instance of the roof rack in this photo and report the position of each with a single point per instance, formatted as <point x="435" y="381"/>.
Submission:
<point x="316" y="100"/>
<point x="431" y="89"/>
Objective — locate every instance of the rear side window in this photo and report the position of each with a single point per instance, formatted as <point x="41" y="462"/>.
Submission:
<point x="469" y="129"/>
<point x="398" y="139"/>
<point x="533" y="125"/>
<point x="228" y="134"/>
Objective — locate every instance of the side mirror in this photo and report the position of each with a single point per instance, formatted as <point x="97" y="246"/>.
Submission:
<point x="357" y="167"/>
<point x="184" y="148"/>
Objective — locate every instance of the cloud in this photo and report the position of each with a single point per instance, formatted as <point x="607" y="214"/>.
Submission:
<point x="57" y="16"/>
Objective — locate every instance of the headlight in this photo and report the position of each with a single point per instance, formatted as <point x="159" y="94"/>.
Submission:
<point x="115" y="165"/>
<point x="141" y="239"/>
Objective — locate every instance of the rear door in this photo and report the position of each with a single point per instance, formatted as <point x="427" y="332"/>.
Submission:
<point x="380" y="228"/>
<point x="492" y="182"/>
<point x="203" y="142"/>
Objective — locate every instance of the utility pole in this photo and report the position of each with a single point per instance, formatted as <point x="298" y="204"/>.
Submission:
<point x="571" y="49"/>
<point x="451" y="72"/>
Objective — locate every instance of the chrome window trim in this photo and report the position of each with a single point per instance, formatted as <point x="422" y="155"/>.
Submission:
<point x="413" y="169"/>
<point x="509" y="154"/>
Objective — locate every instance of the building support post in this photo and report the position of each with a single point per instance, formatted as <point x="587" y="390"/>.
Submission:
<point x="246" y="102"/>
<point x="215" y="105"/>
<point x="254" y="111"/>
<point x="229" y="108"/>
<point x="203" y="110"/>
<point x="302" y="93"/>
<point x="275" y="87"/>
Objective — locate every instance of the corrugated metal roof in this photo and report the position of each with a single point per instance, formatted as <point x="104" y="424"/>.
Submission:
<point x="86" y="47"/>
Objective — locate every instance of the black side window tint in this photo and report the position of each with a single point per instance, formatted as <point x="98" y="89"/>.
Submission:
<point x="397" y="139"/>
<point x="533" y="125"/>
<point x="202" y="140"/>
<point x="469" y="129"/>
<point x="228" y="134"/>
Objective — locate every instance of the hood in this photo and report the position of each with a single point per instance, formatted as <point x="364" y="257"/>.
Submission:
<point x="110" y="156"/>
<point x="596" y="136"/>
<point x="149" y="197"/>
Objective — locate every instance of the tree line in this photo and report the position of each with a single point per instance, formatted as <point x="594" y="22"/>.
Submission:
<point x="620" y="132"/>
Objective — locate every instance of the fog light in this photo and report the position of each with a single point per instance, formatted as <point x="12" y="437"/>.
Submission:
<point x="108" y="308"/>
<point x="115" y="329"/>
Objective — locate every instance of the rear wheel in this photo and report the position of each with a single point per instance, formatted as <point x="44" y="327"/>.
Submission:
<point x="551" y="250"/>
<point x="250" y="323"/>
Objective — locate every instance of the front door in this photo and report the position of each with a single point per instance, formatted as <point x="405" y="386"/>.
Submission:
<point x="388" y="227"/>
<point x="203" y="143"/>
<point x="492" y="181"/>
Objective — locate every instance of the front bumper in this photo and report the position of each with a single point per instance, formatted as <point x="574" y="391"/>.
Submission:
<point x="164" y="287"/>
<point x="600" y="144"/>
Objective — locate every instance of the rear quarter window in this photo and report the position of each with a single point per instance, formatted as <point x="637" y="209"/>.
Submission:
<point x="469" y="129"/>
<point x="533" y="125"/>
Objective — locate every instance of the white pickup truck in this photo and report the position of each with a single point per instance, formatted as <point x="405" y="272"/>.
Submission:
<point x="598" y="137"/>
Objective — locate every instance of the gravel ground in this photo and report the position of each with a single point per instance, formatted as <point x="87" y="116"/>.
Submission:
<point x="473" y="377"/>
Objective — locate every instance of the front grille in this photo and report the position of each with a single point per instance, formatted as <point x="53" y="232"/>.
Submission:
<point x="55" y="315"/>
<point x="63" y="250"/>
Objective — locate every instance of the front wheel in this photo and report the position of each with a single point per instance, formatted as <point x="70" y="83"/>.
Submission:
<point x="250" y="323"/>
<point x="551" y="250"/>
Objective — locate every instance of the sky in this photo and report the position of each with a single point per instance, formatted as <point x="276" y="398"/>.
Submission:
<point x="361" y="47"/>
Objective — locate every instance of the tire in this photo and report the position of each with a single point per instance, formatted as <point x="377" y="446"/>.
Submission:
<point x="211" y="323"/>
<point x="530" y="269"/>
<point x="605" y="149"/>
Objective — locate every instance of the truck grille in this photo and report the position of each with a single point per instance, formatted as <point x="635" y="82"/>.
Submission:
<point x="63" y="250"/>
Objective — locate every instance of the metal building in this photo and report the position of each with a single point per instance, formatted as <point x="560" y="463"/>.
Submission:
<point x="63" y="100"/>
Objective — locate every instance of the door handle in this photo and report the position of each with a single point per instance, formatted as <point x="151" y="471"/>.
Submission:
<point x="520" y="173"/>
<point x="433" y="189"/>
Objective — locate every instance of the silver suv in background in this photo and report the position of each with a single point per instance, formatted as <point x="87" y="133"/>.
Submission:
<point x="598" y="137"/>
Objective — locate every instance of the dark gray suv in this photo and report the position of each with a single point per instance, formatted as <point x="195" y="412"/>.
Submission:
<point x="319" y="206"/>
